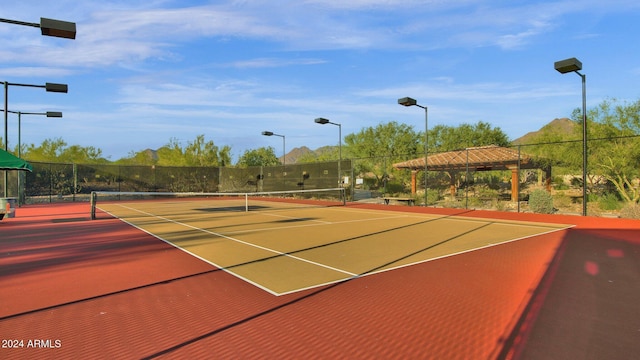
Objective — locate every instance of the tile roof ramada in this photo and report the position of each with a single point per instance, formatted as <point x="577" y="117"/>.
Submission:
<point x="491" y="157"/>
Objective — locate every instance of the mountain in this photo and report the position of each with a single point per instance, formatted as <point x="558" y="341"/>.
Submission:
<point x="562" y="125"/>
<point x="152" y="154"/>
<point x="295" y="154"/>
<point x="292" y="156"/>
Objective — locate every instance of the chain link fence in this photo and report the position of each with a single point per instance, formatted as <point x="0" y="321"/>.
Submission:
<point x="52" y="182"/>
<point x="475" y="178"/>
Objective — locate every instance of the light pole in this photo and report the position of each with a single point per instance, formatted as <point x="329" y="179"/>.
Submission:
<point x="50" y="27"/>
<point x="323" y="121"/>
<point x="269" y="133"/>
<point x="49" y="114"/>
<point x="574" y="65"/>
<point x="50" y="87"/>
<point x="407" y="101"/>
<point x="284" y="156"/>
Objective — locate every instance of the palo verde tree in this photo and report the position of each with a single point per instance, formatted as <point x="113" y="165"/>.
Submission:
<point x="57" y="150"/>
<point x="375" y="149"/>
<point x="447" y="138"/>
<point x="264" y="156"/>
<point x="614" y="146"/>
<point x="197" y="153"/>
<point x="613" y="142"/>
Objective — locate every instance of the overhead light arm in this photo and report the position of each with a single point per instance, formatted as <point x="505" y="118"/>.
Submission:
<point x="50" y="27"/>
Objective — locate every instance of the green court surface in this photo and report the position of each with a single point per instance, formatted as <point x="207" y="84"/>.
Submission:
<point x="285" y="249"/>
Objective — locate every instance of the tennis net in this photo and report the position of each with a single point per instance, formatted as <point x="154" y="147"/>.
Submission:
<point x="247" y="201"/>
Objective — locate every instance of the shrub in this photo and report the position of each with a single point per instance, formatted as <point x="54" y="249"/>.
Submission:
<point x="432" y="197"/>
<point x="609" y="202"/>
<point x="540" y="201"/>
<point x="499" y="205"/>
<point x="394" y="188"/>
<point x="562" y="201"/>
<point x="558" y="183"/>
<point x="631" y="211"/>
<point x="475" y="202"/>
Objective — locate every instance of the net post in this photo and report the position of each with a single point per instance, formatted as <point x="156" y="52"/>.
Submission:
<point x="93" y="205"/>
<point x="246" y="202"/>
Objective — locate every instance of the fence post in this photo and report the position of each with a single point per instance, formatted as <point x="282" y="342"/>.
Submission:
<point x="518" y="186"/>
<point x="92" y="199"/>
<point x="466" y="192"/>
<point x="75" y="181"/>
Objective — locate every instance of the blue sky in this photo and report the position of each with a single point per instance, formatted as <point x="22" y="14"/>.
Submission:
<point x="143" y="72"/>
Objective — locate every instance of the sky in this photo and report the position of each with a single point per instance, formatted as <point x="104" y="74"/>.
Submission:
<point x="144" y="73"/>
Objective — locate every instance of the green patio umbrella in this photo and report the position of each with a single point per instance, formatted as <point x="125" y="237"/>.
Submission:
<point x="11" y="162"/>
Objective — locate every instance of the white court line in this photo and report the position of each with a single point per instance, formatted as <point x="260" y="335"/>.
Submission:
<point x="551" y="228"/>
<point x="238" y="241"/>
<point x="309" y="225"/>
<point x="194" y="255"/>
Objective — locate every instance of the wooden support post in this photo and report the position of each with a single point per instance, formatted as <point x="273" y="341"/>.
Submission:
<point x="413" y="181"/>
<point x="515" y="184"/>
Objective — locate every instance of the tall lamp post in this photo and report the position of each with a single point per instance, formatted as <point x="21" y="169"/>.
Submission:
<point x="50" y="87"/>
<point x="284" y="156"/>
<point x="49" y="114"/>
<point x="323" y="121"/>
<point x="574" y="65"/>
<point x="50" y="27"/>
<point x="269" y="133"/>
<point x="407" y="101"/>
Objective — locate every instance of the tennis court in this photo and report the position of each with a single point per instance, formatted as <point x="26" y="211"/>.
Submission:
<point x="284" y="246"/>
<point x="443" y="284"/>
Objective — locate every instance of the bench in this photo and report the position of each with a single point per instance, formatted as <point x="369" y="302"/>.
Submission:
<point x="409" y="201"/>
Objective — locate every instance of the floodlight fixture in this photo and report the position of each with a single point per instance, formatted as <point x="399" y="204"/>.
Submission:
<point x="58" y="28"/>
<point x="284" y="146"/>
<point x="407" y="101"/>
<point x="50" y="27"/>
<point x="57" y="88"/>
<point x="568" y="65"/>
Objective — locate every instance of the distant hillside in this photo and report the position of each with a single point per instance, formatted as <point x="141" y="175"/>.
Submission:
<point x="296" y="153"/>
<point x="152" y="154"/>
<point x="292" y="156"/>
<point x="562" y="125"/>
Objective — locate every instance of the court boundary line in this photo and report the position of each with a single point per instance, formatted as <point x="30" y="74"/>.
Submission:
<point x="377" y="270"/>
<point x="225" y="268"/>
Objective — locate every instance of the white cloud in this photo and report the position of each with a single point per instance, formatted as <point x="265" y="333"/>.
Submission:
<point x="274" y="62"/>
<point x="33" y="71"/>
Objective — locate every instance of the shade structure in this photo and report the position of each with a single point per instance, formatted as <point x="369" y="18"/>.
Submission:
<point x="483" y="158"/>
<point x="11" y="162"/>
